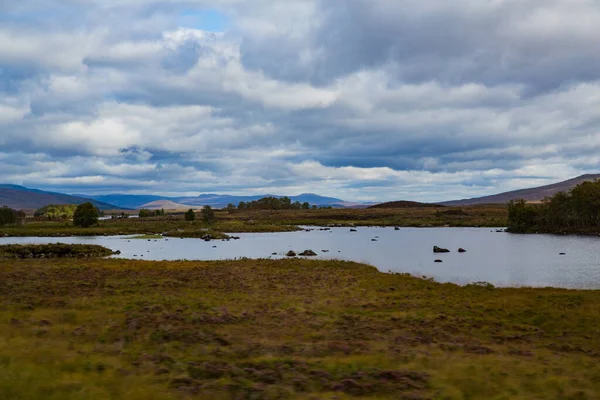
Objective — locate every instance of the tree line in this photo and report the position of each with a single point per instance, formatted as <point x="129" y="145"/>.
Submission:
<point x="274" y="203"/>
<point x="575" y="211"/>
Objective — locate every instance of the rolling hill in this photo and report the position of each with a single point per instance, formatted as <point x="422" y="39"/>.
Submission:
<point x="406" y="204"/>
<point x="22" y="198"/>
<point x="531" y="194"/>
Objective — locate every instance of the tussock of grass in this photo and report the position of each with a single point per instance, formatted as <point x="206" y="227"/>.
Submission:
<point x="277" y="329"/>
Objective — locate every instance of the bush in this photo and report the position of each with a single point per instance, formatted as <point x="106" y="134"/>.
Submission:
<point x="86" y="215"/>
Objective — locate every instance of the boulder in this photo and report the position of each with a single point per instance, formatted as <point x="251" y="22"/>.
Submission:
<point x="353" y="230"/>
<point x="438" y="261"/>
<point x="396" y="228"/>
<point x="440" y="250"/>
<point x="291" y="253"/>
<point x="308" y="253"/>
<point x="461" y="250"/>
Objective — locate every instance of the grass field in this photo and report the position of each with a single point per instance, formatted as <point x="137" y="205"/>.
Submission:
<point x="287" y="329"/>
<point x="271" y="221"/>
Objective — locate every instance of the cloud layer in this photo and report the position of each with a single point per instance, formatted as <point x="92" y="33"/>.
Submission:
<point x="361" y="99"/>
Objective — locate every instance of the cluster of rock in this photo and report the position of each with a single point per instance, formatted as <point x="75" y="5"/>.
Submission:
<point x="437" y="249"/>
<point x="305" y="253"/>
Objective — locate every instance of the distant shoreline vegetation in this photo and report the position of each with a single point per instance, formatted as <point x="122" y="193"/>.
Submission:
<point x="576" y="212"/>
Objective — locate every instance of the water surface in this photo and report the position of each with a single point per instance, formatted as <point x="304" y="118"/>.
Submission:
<point x="499" y="258"/>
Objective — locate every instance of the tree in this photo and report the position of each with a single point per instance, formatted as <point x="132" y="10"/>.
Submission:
<point x="86" y="215"/>
<point x="53" y="211"/>
<point x="190" y="215"/>
<point x="305" y="205"/>
<point x="208" y="215"/>
<point x="230" y="207"/>
<point x="8" y="216"/>
<point x="242" y="205"/>
<point x="144" y="213"/>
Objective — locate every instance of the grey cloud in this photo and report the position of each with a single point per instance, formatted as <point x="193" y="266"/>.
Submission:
<point x="354" y="99"/>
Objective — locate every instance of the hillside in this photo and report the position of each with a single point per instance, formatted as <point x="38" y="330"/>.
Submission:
<point x="405" y="204"/>
<point x="531" y="194"/>
<point x="22" y="198"/>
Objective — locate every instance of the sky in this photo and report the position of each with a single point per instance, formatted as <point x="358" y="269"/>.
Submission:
<point x="364" y="100"/>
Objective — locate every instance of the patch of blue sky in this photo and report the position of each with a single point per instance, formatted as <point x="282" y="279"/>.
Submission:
<point x="206" y="19"/>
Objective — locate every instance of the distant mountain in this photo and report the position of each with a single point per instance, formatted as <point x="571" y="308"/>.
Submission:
<point x="406" y="204"/>
<point x="213" y="200"/>
<point x="219" y="201"/>
<point x="532" y="194"/>
<point x="22" y="198"/>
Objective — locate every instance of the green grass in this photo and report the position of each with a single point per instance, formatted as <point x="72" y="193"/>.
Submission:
<point x="267" y="329"/>
<point x="147" y="237"/>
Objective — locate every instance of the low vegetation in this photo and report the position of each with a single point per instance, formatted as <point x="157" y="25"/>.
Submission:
<point x="577" y="211"/>
<point x="55" y="250"/>
<point x="285" y="329"/>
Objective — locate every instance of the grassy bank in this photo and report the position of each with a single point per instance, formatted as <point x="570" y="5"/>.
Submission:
<point x="121" y="329"/>
<point x="53" y="250"/>
<point x="272" y="221"/>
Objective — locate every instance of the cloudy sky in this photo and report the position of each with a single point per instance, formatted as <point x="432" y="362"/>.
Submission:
<point x="359" y="99"/>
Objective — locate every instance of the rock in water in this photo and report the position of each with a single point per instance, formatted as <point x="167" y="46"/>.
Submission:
<point x="438" y="261"/>
<point x="291" y="254"/>
<point x="440" y="250"/>
<point x="461" y="250"/>
<point x="308" y="253"/>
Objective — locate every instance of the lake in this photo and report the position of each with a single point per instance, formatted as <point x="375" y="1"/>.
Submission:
<point x="502" y="259"/>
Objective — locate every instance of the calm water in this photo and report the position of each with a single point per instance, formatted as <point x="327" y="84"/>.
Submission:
<point x="500" y="258"/>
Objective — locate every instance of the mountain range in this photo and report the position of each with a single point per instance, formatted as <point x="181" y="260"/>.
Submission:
<point x="20" y="197"/>
<point x="532" y="194"/>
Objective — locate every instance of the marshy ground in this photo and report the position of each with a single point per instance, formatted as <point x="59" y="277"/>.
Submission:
<point x="238" y="221"/>
<point x="266" y="329"/>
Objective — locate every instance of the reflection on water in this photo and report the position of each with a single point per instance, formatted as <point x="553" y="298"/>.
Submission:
<point x="500" y="258"/>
